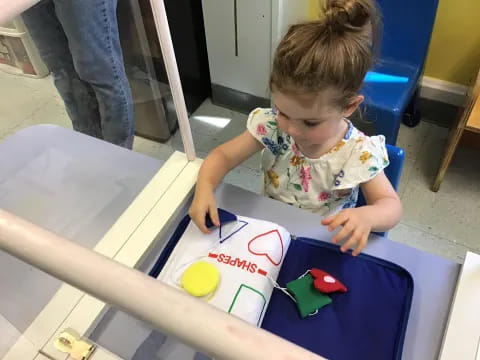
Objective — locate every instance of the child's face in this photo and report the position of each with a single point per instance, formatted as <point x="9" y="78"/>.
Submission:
<point x="311" y="120"/>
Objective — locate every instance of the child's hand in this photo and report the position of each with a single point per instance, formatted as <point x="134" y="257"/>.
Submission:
<point x="356" y="228"/>
<point x="204" y="203"/>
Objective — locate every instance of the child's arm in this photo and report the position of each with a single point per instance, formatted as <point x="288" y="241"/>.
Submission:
<point x="217" y="164"/>
<point x="383" y="212"/>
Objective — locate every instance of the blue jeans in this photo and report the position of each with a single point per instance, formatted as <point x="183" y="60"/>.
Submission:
<point x="78" y="41"/>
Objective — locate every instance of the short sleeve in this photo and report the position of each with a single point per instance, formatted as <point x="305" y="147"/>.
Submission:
<point x="262" y="125"/>
<point x="367" y="159"/>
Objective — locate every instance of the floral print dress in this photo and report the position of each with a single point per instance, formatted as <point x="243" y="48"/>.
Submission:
<point x="324" y="185"/>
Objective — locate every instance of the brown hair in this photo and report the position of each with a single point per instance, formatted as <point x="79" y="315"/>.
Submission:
<point x="334" y="52"/>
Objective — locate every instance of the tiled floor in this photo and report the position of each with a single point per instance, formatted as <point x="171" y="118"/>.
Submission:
<point x="444" y="223"/>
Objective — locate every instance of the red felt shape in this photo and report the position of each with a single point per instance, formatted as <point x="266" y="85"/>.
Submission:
<point x="326" y="283"/>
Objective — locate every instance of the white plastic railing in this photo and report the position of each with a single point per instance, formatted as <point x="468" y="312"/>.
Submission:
<point x="196" y="323"/>
<point x="163" y="33"/>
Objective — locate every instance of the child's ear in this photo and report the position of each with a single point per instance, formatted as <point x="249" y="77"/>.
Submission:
<point x="353" y="106"/>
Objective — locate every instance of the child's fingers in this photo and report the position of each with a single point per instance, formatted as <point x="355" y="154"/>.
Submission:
<point x="342" y="234"/>
<point x="361" y="245"/>
<point x="201" y="224"/>
<point x="198" y="218"/>
<point x="327" y="220"/>
<point x="338" y="220"/>
<point x="354" y="239"/>
<point x="213" y="211"/>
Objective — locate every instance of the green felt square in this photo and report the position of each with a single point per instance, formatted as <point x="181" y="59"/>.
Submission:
<point x="309" y="299"/>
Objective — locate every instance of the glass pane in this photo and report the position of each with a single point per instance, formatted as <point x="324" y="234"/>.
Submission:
<point x="132" y="339"/>
<point x="53" y="70"/>
<point x="155" y="115"/>
<point x="74" y="186"/>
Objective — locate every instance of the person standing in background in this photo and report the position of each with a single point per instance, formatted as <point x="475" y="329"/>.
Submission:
<point x="79" y="42"/>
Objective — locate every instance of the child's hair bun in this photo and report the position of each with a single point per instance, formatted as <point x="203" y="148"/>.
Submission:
<point x="348" y="15"/>
<point x="333" y="52"/>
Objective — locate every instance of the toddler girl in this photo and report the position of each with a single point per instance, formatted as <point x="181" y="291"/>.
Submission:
<point x="313" y="157"/>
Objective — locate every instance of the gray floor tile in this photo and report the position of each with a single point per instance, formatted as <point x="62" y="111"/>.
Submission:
<point x="45" y="84"/>
<point x="208" y="113"/>
<point x="53" y="112"/>
<point x="254" y="162"/>
<point x="412" y="139"/>
<point x="438" y="113"/>
<point x="452" y="212"/>
<point x="152" y="148"/>
<point x="22" y="102"/>
<point x="207" y="137"/>
<point x="431" y="243"/>
<point x="407" y="172"/>
<point x="245" y="178"/>
<point x="430" y="154"/>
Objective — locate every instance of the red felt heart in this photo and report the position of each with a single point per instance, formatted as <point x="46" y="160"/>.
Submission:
<point x="326" y="283"/>
<point x="269" y="244"/>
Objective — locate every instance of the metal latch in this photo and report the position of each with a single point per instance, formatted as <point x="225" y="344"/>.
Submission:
<point x="70" y="342"/>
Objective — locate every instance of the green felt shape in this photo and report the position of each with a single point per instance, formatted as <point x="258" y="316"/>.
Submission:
<point x="309" y="299"/>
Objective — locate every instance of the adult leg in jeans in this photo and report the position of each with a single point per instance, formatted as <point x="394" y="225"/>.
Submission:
<point x="79" y="98"/>
<point x="92" y="32"/>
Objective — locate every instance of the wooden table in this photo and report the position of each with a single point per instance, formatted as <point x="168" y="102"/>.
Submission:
<point x="468" y="120"/>
<point x="473" y="122"/>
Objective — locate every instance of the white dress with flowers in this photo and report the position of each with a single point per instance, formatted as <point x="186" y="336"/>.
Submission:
<point x="324" y="185"/>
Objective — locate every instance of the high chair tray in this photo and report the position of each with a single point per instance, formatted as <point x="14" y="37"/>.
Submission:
<point x="367" y="322"/>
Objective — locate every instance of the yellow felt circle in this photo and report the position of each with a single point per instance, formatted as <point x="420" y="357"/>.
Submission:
<point x="200" y="278"/>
